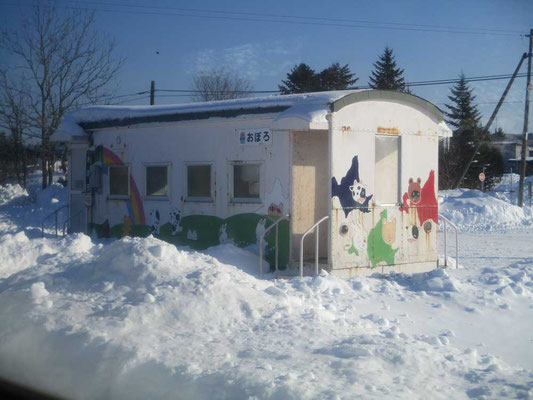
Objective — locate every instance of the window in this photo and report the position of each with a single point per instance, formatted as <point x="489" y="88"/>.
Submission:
<point x="387" y="171"/>
<point x="119" y="180"/>
<point x="246" y="182"/>
<point x="157" y="180"/>
<point x="199" y="182"/>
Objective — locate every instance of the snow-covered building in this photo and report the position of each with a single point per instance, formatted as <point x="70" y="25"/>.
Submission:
<point x="223" y="172"/>
<point x="511" y="147"/>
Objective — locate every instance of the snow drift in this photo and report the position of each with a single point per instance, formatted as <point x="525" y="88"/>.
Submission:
<point x="140" y="318"/>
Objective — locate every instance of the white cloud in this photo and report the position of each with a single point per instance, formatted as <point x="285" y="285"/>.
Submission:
<point x="253" y="61"/>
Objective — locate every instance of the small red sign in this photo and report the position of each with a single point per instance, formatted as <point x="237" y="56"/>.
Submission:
<point x="481" y="177"/>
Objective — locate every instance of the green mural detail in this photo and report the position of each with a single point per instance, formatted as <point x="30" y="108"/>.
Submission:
<point x="378" y="248"/>
<point x="353" y="250"/>
<point x="202" y="231"/>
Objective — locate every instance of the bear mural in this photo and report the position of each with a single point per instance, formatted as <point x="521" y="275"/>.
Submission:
<point x="423" y="202"/>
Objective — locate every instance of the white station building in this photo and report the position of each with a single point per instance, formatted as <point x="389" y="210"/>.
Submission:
<point x="364" y="162"/>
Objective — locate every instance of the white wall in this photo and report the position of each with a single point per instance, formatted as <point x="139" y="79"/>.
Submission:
<point x="213" y="141"/>
<point x="353" y="134"/>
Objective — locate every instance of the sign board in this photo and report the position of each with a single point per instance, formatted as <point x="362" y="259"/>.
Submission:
<point x="482" y="177"/>
<point x="254" y="137"/>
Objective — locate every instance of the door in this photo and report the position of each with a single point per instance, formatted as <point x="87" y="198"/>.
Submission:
<point x="77" y="213"/>
<point x="309" y="197"/>
<point x="77" y="186"/>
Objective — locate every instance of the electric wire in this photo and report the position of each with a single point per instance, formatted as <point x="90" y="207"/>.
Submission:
<point x="122" y="4"/>
<point x="249" y="18"/>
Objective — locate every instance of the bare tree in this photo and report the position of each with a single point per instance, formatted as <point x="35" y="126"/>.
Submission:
<point x="62" y="63"/>
<point x="13" y="118"/>
<point x="219" y="84"/>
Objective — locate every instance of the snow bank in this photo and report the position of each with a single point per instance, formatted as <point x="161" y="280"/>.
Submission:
<point x="475" y="211"/>
<point x="25" y="209"/>
<point x="140" y="318"/>
<point x="10" y="192"/>
<point x="145" y="319"/>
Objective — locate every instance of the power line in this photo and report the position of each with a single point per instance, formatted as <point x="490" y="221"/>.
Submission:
<point x="416" y="83"/>
<point x="270" y="18"/>
<point x="128" y="100"/>
<point x="216" y="91"/>
<point x="122" y="4"/>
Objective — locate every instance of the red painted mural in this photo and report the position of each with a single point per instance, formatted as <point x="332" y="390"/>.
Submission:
<point x="422" y="199"/>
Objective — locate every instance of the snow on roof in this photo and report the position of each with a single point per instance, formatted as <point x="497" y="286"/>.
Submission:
<point x="306" y="108"/>
<point x="315" y="105"/>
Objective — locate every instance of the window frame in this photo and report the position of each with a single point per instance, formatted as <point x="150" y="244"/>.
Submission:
<point x="377" y="201"/>
<point x="246" y="200"/>
<point x="118" y="196"/>
<point x="169" y="180"/>
<point x="195" y="199"/>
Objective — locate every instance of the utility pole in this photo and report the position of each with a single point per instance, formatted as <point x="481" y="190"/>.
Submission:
<point x="526" y="120"/>
<point x="152" y="93"/>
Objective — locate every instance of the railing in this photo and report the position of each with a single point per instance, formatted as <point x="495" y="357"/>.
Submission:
<point x="446" y="222"/>
<point x="261" y="241"/>
<point x="49" y="215"/>
<point x="68" y="220"/>
<point x="315" y="225"/>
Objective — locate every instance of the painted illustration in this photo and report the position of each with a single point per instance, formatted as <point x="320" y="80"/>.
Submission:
<point x="223" y="234"/>
<point x="134" y="204"/>
<point x="275" y="209"/>
<point x="359" y="235"/>
<point x="351" y="192"/>
<point x="175" y="221"/>
<point x="380" y="241"/>
<point x="275" y="199"/>
<point x="197" y="231"/>
<point x="423" y="202"/>
<point x="155" y="221"/>
<point x="260" y="229"/>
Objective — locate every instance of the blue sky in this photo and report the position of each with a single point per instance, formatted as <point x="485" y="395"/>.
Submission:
<point x="222" y="36"/>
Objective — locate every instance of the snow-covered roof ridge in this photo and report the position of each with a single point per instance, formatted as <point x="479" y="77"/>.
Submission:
<point x="308" y="108"/>
<point x="99" y="113"/>
<point x="94" y="117"/>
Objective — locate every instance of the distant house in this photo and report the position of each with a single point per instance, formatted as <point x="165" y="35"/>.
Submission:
<point x="511" y="147"/>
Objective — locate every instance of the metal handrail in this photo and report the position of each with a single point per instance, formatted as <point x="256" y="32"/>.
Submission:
<point x="49" y="215"/>
<point x="69" y="218"/>
<point x="446" y="222"/>
<point x="315" y="225"/>
<point x="275" y="224"/>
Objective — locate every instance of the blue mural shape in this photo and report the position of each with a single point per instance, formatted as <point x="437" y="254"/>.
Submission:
<point x="351" y="191"/>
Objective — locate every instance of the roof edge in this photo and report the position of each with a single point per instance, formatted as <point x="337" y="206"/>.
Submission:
<point x="186" y="116"/>
<point x="386" y="95"/>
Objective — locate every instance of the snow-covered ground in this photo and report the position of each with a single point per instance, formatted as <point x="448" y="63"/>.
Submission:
<point x="140" y="318"/>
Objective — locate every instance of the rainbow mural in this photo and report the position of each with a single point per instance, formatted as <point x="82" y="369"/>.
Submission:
<point x="134" y="205"/>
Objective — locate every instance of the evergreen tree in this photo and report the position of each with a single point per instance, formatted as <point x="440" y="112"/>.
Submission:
<point x="462" y="112"/>
<point x="498" y="134"/>
<point x="301" y="79"/>
<point x="386" y="75"/>
<point x="336" y="77"/>
<point x="464" y="118"/>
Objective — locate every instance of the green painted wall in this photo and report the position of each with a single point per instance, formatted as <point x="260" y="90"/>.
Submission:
<point x="202" y="231"/>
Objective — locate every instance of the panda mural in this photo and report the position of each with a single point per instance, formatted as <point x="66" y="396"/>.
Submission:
<point x="351" y="191"/>
<point x="354" y="199"/>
